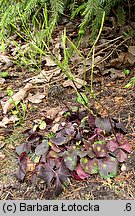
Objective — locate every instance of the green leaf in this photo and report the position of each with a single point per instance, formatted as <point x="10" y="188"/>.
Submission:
<point x="15" y="112"/>
<point x="126" y="71"/>
<point x="67" y="114"/>
<point x="23" y="107"/>
<point x="42" y="125"/>
<point x="10" y="92"/>
<point x="128" y="85"/>
<point x="2" y="46"/>
<point x="131" y="83"/>
<point x="4" y="74"/>
<point x="74" y="109"/>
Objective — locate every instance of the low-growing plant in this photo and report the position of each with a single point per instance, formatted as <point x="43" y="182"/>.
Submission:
<point x="79" y="148"/>
<point x="21" y="114"/>
<point x="14" y="13"/>
<point x="126" y="71"/>
<point x="131" y="83"/>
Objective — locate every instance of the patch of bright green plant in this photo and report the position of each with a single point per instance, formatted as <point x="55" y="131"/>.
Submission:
<point x="36" y="34"/>
<point x="24" y="15"/>
<point x="4" y="74"/>
<point x="126" y="71"/>
<point x="131" y="83"/>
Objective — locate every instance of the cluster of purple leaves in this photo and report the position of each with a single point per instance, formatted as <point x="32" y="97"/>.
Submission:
<point x="83" y="145"/>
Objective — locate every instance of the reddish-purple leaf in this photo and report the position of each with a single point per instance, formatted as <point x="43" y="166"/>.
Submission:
<point x="121" y="155"/>
<point x="120" y="143"/>
<point x="19" y="174"/>
<point x="108" y="167"/>
<point x="72" y="117"/>
<point x="45" y="171"/>
<point x="34" y="138"/>
<point x="70" y="160"/>
<point x="54" y="147"/>
<point x="24" y="147"/>
<point x="120" y="126"/>
<point x="82" y="114"/>
<point x="63" y="173"/>
<point x="78" y="136"/>
<point x="89" y="148"/>
<point x="120" y="137"/>
<point x="75" y="176"/>
<point x="100" y="149"/>
<point x="21" y="171"/>
<point x="126" y="147"/>
<point x="69" y="128"/>
<point x="90" y="153"/>
<point x="87" y="144"/>
<point x="91" y="120"/>
<point x="23" y="161"/>
<point x="80" y="173"/>
<point x="57" y="186"/>
<point x="59" y="140"/>
<point x="48" y="120"/>
<point x="90" y="166"/>
<point x="80" y="152"/>
<point x="42" y="148"/>
<point x="54" y="170"/>
<point x="104" y="124"/>
<point x="112" y="145"/>
<point x="52" y="154"/>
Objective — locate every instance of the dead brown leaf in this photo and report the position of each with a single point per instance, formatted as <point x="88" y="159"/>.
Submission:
<point x="113" y="73"/>
<point x="2" y="144"/>
<point x="49" y="61"/>
<point x="131" y="49"/>
<point x="85" y="40"/>
<point x="5" y="59"/>
<point x="131" y="58"/>
<point x="2" y="80"/>
<point x="44" y="76"/>
<point x="11" y="147"/>
<point x="55" y="128"/>
<point x="7" y="120"/>
<point x="51" y="113"/>
<point x="78" y="82"/>
<point x="2" y="156"/>
<point x="131" y="55"/>
<point x="37" y="98"/>
<point x="8" y="105"/>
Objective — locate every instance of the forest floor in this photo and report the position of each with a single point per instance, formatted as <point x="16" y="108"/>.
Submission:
<point x="113" y="58"/>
